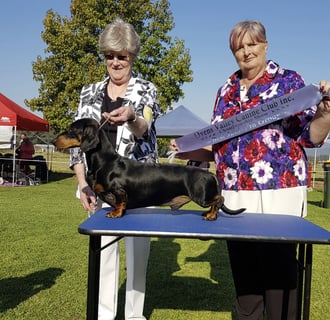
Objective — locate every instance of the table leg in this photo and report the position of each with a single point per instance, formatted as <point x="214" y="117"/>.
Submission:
<point x="93" y="285"/>
<point x="308" y="281"/>
<point x="93" y="277"/>
<point x="301" y="270"/>
<point x="305" y="259"/>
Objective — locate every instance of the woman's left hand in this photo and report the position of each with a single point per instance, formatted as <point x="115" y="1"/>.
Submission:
<point x="324" y="105"/>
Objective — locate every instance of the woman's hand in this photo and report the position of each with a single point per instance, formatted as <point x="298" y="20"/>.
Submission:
<point x="320" y="125"/>
<point x="120" y="115"/>
<point x="173" y="146"/>
<point x="87" y="198"/>
<point x="126" y="114"/>
<point x="204" y="154"/>
<point x="324" y="105"/>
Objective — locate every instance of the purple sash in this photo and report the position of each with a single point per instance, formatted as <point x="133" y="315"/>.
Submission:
<point x="248" y="120"/>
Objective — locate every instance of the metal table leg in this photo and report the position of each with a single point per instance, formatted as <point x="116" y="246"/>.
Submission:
<point x="305" y="259"/>
<point x="93" y="277"/>
<point x="308" y="281"/>
<point x="301" y="271"/>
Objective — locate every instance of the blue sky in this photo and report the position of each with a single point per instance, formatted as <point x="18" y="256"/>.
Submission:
<point x="297" y="32"/>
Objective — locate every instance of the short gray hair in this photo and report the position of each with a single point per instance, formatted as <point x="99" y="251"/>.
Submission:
<point x="255" y="29"/>
<point x="118" y="36"/>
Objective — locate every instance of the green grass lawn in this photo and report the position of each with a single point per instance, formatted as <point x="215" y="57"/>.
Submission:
<point x="43" y="272"/>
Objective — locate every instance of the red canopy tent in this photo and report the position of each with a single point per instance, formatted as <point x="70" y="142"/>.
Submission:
<point x="11" y="114"/>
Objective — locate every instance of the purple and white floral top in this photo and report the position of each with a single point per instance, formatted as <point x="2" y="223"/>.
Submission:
<point x="271" y="157"/>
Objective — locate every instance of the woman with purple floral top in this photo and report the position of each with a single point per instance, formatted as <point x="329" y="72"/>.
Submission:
<point x="264" y="170"/>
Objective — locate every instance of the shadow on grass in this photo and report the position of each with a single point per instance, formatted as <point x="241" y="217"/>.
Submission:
<point x="13" y="291"/>
<point x="168" y="291"/>
<point x="56" y="176"/>
<point x="316" y="203"/>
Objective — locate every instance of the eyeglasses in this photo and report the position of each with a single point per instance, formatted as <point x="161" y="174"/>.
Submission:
<point x="120" y="57"/>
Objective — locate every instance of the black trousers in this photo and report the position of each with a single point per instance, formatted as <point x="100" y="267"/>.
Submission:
<point x="265" y="278"/>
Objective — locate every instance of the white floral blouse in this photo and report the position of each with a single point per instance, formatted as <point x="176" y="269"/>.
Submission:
<point x="142" y="96"/>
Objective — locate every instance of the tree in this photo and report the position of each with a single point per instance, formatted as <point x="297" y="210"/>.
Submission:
<point x="72" y="58"/>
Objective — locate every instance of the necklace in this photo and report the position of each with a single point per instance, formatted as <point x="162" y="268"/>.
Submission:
<point x="113" y="91"/>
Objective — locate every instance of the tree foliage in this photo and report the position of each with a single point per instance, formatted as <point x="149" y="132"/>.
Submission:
<point x="72" y="58"/>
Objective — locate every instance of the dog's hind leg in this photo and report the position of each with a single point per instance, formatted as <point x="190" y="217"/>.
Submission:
<point x="177" y="202"/>
<point x="211" y="214"/>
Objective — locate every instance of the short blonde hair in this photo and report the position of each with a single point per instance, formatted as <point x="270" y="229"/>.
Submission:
<point x="119" y="36"/>
<point x="255" y="29"/>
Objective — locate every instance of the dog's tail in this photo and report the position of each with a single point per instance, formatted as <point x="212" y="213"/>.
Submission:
<point x="230" y="211"/>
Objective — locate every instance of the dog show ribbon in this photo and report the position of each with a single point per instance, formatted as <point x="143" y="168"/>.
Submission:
<point x="276" y="109"/>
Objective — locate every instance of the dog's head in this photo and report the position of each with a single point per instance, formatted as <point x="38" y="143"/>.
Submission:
<point x="82" y="133"/>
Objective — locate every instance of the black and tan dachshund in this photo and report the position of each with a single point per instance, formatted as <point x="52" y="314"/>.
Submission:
<point x="125" y="184"/>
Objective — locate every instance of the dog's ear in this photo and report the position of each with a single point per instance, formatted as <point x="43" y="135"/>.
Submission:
<point x="89" y="139"/>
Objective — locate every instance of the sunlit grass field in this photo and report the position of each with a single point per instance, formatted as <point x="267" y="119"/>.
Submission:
<point x="43" y="272"/>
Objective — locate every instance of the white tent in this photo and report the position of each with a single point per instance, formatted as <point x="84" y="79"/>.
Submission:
<point x="6" y="137"/>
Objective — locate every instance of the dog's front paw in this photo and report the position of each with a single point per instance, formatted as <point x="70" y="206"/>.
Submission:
<point x="115" y="213"/>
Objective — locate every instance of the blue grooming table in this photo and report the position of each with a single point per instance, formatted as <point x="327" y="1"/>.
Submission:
<point x="155" y="222"/>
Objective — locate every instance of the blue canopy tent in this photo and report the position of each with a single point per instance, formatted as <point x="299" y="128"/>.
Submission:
<point x="178" y="122"/>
